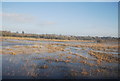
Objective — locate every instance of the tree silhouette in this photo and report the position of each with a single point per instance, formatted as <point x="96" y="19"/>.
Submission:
<point x="23" y="32"/>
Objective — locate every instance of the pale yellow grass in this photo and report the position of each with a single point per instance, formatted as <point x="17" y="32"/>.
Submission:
<point x="42" y="39"/>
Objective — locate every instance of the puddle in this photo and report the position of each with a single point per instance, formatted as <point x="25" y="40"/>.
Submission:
<point x="6" y="43"/>
<point x="79" y="51"/>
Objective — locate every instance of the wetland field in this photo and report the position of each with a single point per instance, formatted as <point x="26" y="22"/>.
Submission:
<point x="25" y="58"/>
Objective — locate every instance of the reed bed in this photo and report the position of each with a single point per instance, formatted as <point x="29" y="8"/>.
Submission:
<point x="42" y="39"/>
<point x="103" y="56"/>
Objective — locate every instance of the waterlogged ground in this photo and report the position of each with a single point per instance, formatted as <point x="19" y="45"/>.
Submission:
<point x="25" y="59"/>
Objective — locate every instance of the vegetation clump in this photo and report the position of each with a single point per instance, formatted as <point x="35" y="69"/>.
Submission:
<point x="13" y="53"/>
<point x="103" y="57"/>
<point x="44" y="66"/>
<point x="84" y="72"/>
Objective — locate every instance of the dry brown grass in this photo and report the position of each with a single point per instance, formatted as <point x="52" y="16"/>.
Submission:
<point x="44" y="67"/>
<point x="103" y="57"/>
<point x="13" y="53"/>
<point x="30" y="49"/>
<point x="67" y="61"/>
<point x="84" y="72"/>
<point x="69" y="57"/>
<point x="62" y="54"/>
<point x="95" y="46"/>
<point x="34" y="39"/>
<point x="23" y="50"/>
<point x="74" y="73"/>
<point x="84" y="62"/>
<point x="51" y="48"/>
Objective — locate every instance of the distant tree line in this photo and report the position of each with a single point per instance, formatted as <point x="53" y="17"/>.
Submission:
<point x="54" y="36"/>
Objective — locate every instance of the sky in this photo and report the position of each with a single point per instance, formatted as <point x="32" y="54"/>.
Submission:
<point x="60" y="0"/>
<point x="66" y="18"/>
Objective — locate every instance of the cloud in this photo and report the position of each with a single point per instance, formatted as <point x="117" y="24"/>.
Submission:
<point x="17" y="18"/>
<point x="24" y="20"/>
<point x="47" y="23"/>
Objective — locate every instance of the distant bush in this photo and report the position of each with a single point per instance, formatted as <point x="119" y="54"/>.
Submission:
<point x="60" y="37"/>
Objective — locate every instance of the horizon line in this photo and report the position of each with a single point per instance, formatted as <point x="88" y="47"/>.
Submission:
<point x="20" y="32"/>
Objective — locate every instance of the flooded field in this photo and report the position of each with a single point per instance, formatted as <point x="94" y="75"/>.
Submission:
<point x="30" y="59"/>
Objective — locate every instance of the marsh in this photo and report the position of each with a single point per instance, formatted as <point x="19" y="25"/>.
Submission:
<point x="58" y="60"/>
